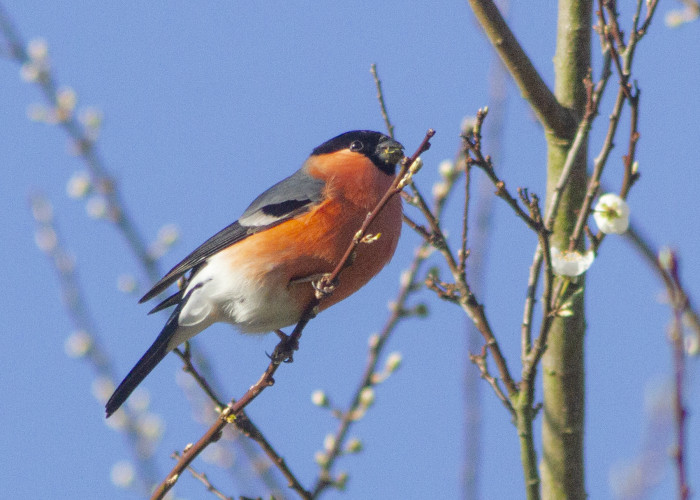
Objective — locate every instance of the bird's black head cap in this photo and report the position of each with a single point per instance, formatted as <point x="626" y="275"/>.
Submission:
<point x="384" y="152"/>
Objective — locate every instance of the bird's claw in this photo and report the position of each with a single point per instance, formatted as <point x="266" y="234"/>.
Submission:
<point x="284" y="350"/>
<point x="324" y="287"/>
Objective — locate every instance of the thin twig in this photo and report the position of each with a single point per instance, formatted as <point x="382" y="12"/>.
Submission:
<point x="630" y="175"/>
<point x="99" y="175"/>
<point x="348" y="417"/>
<point x="480" y="361"/>
<point x="228" y="415"/>
<point x="247" y="426"/>
<point x="421" y="230"/>
<point x="50" y="242"/>
<point x="580" y="139"/>
<point x="402" y="178"/>
<point x="669" y="262"/>
<point x="464" y="249"/>
<point x="243" y="423"/>
<point x="461" y="293"/>
<point x="614" y="27"/>
<point x="186" y="357"/>
<point x="650" y="253"/>
<point x="380" y="98"/>
<point x="408" y="284"/>
<point x="532" y="218"/>
<point x="625" y="94"/>
<point x="202" y="477"/>
<point x="679" y="405"/>
<point x="651" y="8"/>
<point x="473" y="145"/>
<point x="600" y="161"/>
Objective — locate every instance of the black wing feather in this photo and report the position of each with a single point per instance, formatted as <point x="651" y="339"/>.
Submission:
<point x="174" y="299"/>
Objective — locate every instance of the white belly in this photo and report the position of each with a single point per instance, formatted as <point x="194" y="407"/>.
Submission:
<point x="253" y="302"/>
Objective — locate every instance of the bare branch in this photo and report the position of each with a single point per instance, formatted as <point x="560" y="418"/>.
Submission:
<point x="553" y="116"/>
<point x="480" y="361"/>
<point x="668" y="260"/>
<point x="461" y="293"/>
<point x="202" y="477"/>
<point x="349" y="416"/>
<point x="473" y="145"/>
<point x="650" y="254"/>
<point x="87" y="150"/>
<point x="86" y="339"/>
<point x="380" y="98"/>
<point x="186" y="357"/>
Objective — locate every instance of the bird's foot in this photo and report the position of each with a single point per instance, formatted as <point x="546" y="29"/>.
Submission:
<point x="284" y="350"/>
<point x="324" y="287"/>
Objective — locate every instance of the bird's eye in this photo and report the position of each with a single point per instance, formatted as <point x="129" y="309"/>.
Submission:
<point x="356" y="146"/>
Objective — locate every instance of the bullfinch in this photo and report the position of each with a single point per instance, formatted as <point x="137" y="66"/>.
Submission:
<point x="257" y="274"/>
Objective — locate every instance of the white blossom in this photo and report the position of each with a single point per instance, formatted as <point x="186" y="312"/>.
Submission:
<point x="678" y="17"/>
<point x="102" y="388"/>
<point x="321" y="458"/>
<point x="566" y="263"/>
<point x="692" y="345"/>
<point x="373" y="341"/>
<point x="168" y="234"/>
<point x="151" y="426"/>
<point x="447" y="169"/>
<point x="78" y="344"/>
<point x="319" y="398"/>
<point x="329" y="442"/>
<point x="46" y="239"/>
<point x="612" y="214"/>
<point x="42" y="209"/>
<point x="37" y="49"/>
<point x="393" y="361"/>
<point x="416" y="165"/>
<point x="354" y="445"/>
<point x="91" y="118"/>
<point x="66" y="99"/>
<point x="367" y="397"/>
<point x="96" y="207"/>
<point x="78" y="185"/>
<point x="220" y="455"/>
<point x="440" y="190"/>
<point x="123" y="474"/>
<point x="126" y="283"/>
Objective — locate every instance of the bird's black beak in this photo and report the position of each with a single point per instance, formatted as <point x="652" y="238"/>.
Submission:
<point x="389" y="151"/>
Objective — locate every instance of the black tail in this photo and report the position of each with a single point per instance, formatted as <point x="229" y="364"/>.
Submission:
<point x="145" y="365"/>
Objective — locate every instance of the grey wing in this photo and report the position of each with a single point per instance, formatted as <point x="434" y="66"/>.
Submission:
<point x="288" y="198"/>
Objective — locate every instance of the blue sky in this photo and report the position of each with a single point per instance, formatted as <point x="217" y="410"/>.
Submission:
<point x="207" y="105"/>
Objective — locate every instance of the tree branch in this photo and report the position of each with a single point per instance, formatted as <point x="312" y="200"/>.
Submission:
<point x="460" y="292"/>
<point x="202" y="478"/>
<point x="86" y="340"/>
<point x="650" y="253"/>
<point x="87" y="151"/>
<point x="348" y="417"/>
<point x="555" y="118"/>
<point x="380" y="98"/>
<point x="669" y="262"/>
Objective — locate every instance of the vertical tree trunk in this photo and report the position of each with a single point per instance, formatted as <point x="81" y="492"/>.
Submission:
<point x="562" y="472"/>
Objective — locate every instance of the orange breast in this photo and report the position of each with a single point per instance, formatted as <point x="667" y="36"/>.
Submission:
<point x="314" y="243"/>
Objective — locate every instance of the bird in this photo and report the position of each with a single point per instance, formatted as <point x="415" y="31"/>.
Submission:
<point x="258" y="273"/>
